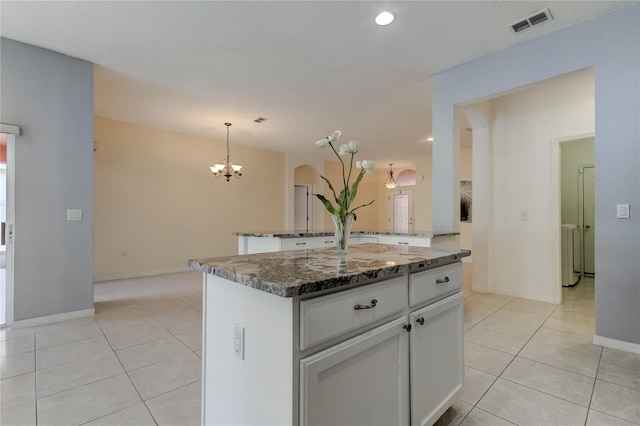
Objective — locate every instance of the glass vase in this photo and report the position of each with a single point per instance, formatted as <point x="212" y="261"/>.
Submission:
<point x="342" y="229"/>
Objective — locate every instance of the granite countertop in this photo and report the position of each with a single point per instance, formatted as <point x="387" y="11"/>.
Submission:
<point x="303" y="272"/>
<point x="294" y="234"/>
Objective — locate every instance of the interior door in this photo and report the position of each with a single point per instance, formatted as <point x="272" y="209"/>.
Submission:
<point x="7" y="141"/>
<point x="588" y="214"/>
<point x="401" y="210"/>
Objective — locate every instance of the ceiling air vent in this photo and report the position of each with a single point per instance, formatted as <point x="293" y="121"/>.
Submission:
<point x="260" y="119"/>
<point x="530" y="21"/>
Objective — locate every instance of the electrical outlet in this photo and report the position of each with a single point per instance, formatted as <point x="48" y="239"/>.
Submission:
<point x="623" y="211"/>
<point x="238" y="341"/>
<point x="74" y="214"/>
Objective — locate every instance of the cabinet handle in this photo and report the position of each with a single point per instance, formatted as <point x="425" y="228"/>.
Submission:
<point x="301" y="244"/>
<point x="442" y="281"/>
<point x="329" y="242"/>
<point x="402" y="242"/>
<point x="407" y="327"/>
<point x="420" y="320"/>
<point x="373" y="304"/>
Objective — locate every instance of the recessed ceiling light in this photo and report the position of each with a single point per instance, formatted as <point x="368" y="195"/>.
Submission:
<point x="385" y="18"/>
<point x="429" y="139"/>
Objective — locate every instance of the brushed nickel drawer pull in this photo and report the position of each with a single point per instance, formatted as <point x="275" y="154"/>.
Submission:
<point x="402" y="242"/>
<point x="445" y="280"/>
<point x="373" y="304"/>
<point x="301" y="244"/>
<point x="329" y="242"/>
<point x="420" y="320"/>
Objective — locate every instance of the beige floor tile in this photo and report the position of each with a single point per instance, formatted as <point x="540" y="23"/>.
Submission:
<point x="571" y="326"/>
<point x="596" y="418"/>
<point x="23" y="414"/>
<point x="533" y="306"/>
<point x="166" y="376"/>
<point x="193" y="339"/>
<point x="152" y="353"/>
<point x="454" y="415"/>
<point x="142" y="331"/>
<point x="524" y="406"/>
<point x="489" y="299"/>
<point x="578" y="362"/>
<point x="17" y="390"/>
<point x="180" y="322"/>
<point x="66" y="332"/>
<point x="576" y="342"/>
<point x="77" y="373"/>
<point x="617" y="401"/>
<point x="476" y="384"/>
<point x="86" y="403"/>
<point x="16" y="333"/>
<point x="178" y="407"/>
<point x="554" y="381"/>
<point x="518" y="323"/>
<point x="495" y="339"/>
<point x="199" y="353"/>
<point x="17" y="346"/>
<point x="70" y="352"/>
<point x="137" y="415"/>
<point x="16" y="365"/>
<point x="486" y="359"/>
<point x="620" y="368"/>
<point x="478" y="417"/>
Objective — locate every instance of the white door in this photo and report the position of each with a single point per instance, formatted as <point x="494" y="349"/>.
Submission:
<point x="437" y="359"/>
<point x="302" y="212"/>
<point x="401" y="210"/>
<point x="363" y="381"/>
<point x="588" y="218"/>
<point x="7" y="141"/>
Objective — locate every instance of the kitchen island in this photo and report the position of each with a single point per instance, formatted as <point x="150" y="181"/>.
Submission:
<point x="262" y="242"/>
<point x="307" y="337"/>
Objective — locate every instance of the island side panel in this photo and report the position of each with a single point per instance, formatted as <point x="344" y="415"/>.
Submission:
<point x="256" y="390"/>
<point x="250" y="245"/>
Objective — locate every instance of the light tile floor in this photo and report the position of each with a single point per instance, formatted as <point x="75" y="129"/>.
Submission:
<point x="137" y="362"/>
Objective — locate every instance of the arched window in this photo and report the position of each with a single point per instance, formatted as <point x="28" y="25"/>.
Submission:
<point x="406" y="177"/>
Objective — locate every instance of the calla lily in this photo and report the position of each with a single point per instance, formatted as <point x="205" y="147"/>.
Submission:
<point x="323" y="143"/>
<point x="334" y="137"/>
<point x="349" y="148"/>
<point x="368" y="165"/>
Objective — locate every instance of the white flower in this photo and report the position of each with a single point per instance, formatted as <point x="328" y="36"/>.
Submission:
<point x="350" y="148"/>
<point x="323" y="143"/>
<point x="368" y="165"/>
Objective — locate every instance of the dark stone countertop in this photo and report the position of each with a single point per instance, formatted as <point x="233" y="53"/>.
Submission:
<point x="303" y="272"/>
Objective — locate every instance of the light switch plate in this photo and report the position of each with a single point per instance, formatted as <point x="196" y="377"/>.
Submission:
<point x="622" y="211"/>
<point x="74" y="214"/>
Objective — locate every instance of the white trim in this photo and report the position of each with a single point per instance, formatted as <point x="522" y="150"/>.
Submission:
<point x="10" y="129"/>
<point x="621" y="345"/>
<point x="48" y="319"/>
<point x="141" y="274"/>
<point x="10" y="222"/>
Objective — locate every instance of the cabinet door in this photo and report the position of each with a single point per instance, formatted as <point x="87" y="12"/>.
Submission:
<point x="363" y="381"/>
<point x="437" y="359"/>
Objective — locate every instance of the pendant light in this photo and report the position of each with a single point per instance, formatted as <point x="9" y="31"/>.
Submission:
<point x="391" y="182"/>
<point x="226" y="168"/>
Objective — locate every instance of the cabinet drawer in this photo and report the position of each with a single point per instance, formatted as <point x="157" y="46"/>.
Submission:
<point x="329" y="316"/>
<point x="434" y="283"/>
<point x="405" y="241"/>
<point x="306" y="243"/>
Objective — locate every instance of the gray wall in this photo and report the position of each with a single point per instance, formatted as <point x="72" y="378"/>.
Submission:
<point x="50" y="96"/>
<point x="611" y="45"/>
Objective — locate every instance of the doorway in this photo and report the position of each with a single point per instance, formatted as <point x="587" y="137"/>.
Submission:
<point x="586" y="204"/>
<point x="400" y="214"/>
<point x="7" y="141"/>
<point x="301" y="207"/>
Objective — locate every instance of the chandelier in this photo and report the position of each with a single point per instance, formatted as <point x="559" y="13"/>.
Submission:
<point x="227" y="168"/>
<point x="391" y="182"/>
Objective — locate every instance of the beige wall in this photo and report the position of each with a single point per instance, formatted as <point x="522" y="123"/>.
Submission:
<point x="573" y="155"/>
<point x="367" y="191"/>
<point x="157" y="204"/>
<point x="466" y="173"/>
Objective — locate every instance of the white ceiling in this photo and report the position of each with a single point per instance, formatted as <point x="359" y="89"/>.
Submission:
<point x="309" y="67"/>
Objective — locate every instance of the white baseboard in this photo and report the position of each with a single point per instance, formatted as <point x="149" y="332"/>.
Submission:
<point x="48" y="319"/>
<point x="129" y="275"/>
<point x="616" y="344"/>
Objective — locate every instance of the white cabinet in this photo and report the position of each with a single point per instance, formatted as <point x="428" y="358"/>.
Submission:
<point x="437" y="358"/>
<point x="363" y="381"/>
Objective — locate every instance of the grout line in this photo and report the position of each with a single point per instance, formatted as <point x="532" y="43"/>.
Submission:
<point x="593" y="389"/>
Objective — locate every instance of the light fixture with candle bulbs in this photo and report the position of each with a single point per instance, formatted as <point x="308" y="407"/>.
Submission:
<point x="391" y="182"/>
<point x="226" y="168"/>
